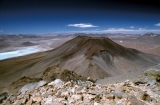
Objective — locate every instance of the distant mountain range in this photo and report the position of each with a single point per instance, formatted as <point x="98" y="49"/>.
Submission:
<point x="150" y="34"/>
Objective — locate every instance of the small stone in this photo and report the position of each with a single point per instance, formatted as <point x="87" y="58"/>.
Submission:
<point x="110" y="96"/>
<point x="56" y="82"/>
<point x="48" y="101"/>
<point x="143" y="96"/>
<point x="97" y="98"/>
<point x="64" y="94"/>
<point x="118" y="94"/>
<point x="95" y="103"/>
<point x="91" y="97"/>
<point x="29" y="102"/>
<point x="71" y="100"/>
<point x="41" y="83"/>
<point x="151" y="82"/>
<point x="134" y="101"/>
<point x="77" y="97"/>
<point x="104" y="97"/>
<point x="69" y="84"/>
<point x="60" y="99"/>
<point x="157" y="92"/>
<point x="93" y="92"/>
<point x="85" y="98"/>
<point x="36" y="99"/>
<point x="19" y="102"/>
<point x="120" y="88"/>
<point x="11" y="98"/>
<point x="136" y="89"/>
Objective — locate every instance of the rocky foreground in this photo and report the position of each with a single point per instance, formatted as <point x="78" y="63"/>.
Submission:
<point x="144" y="91"/>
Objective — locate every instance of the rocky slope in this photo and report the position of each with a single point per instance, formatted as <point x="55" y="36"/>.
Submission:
<point x="50" y="74"/>
<point x="144" y="91"/>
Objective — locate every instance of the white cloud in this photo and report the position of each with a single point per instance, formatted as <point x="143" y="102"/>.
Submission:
<point x="116" y="30"/>
<point x="131" y="31"/>
<point x="132" y="27"/>
<point x="158" y="24"/>
<point x="82" y="25"/>
<point x="1" y="30"/>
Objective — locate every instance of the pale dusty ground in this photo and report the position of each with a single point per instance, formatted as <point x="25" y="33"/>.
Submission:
<point x="147" y="45"/>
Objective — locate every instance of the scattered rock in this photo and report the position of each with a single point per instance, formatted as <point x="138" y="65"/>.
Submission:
<point x="153" y="74"/>
<point x="52" y="73"/>
<point x="84" y="92"/>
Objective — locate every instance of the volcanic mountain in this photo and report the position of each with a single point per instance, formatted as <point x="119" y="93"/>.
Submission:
<point x="95" y="57"/>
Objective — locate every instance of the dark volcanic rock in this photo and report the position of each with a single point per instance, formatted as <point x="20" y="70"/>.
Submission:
<point x="53" y="73"/>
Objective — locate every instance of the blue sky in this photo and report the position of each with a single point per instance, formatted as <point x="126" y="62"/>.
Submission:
<point x="44" y="16"/>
